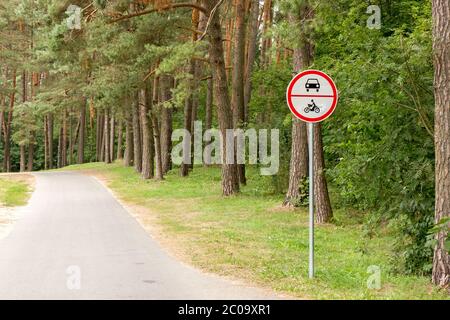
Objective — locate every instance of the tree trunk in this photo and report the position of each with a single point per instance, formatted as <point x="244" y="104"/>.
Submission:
<point x="112" y="137"/>
<point x="187" y="142"/>
<point x="209" y="104"/>
<point x="324" y="213"/>
<point x="7" y="127"/>
<point x="58" y="152"/>
<point x="129" y="148"/>
<point x="195" y="105"/>
<point x="137" y="137"/>
<point x="33" y="133"/>
<point x="30" y="156"/>
<point x="441" y="59"/>
<point x="74" y="139"/>
<point x="147" y="159"/>
<point x="3" y="104"/>
<point x="158" y="158"/>
<point x="230" y="181"/>
<point x="82" y="133"/>
<point x="298" y="170"/>
<point x="102" y="137"/>
<point x="267" y="41"/>
<point x="237" y="96"/>
<point x="50" y="140"/>
<point x="208" y="114"/>
<point x="107" y="144"/>
<point x="64" y="140"/>
<point x="156" y="129"/>
<point x="22" y="158"/>
<point x="99" y="136"/>
<point x="253" y="27"/>
<point x="166" y="125"/>
<point x="2" y="116"/>
<point x="70" y="138"/>
<point x="45" y="143"/>
<point x="119" y="139"/>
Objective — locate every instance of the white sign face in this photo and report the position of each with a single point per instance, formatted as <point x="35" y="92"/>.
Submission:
<point x="312" y="96"/>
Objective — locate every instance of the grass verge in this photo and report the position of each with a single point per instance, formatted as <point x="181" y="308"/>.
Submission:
<point x="15" y="190"/>
<point x="250" y="237"/>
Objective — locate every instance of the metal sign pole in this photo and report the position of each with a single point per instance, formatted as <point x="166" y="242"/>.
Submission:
<point x="311" y="199"/>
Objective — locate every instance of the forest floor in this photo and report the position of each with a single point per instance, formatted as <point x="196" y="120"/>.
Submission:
<point x="15" y="190"/>
<point x="252" y="238"/>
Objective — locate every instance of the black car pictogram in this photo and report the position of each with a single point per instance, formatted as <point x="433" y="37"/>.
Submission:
<point x="312" y="84"/>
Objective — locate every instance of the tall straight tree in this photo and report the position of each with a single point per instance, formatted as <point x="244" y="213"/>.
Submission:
<point x="237" y="90"/>
<point x="106" y="137"/>
<point x="441" y="59"/>
<point x="230" y="180"/>
<point x="253" y="26"/>
<point x="184" y="168"/>
<point x="299" y="146"/>
<point x="147" y="145"/>
<point x="22" y="145"/>
<point x="166" y="124"/>
<point x="190" y="103"/>
<point x="137" y="143"/>
<point x="119" y="154"/>
<point x="155" y="111"/>
<point x="82" y="131"/>
<point x="129" y="136"/>
<point x="50" y="139"/>
<point x="7" y="126"/>
<point x="305" y="54"/>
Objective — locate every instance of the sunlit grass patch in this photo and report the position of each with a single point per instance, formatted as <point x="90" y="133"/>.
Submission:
<point x="13" y="192"/>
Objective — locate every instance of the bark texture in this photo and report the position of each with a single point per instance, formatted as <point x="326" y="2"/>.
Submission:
<point x="120" y="140"/>
<point x="324" y="213"/>
<point x="166" y="124"/>
<point x="230" y="181"/>
<point x="237" y="97"/>
<point x="147" y="160"/>
<point x="82" y="133"/>
<point x="129" y="140"/>
<point x="441" y="60"/>
<point x="253" y="27"/>
<point x="50" y="140"/>
<point x="7" y="127"/>
<point x="106" y="137"/>
<point x="137" y="137"/>
<point x="187" y="139"/>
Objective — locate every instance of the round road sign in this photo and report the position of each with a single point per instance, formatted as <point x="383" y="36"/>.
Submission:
<point x="312" y="96"/>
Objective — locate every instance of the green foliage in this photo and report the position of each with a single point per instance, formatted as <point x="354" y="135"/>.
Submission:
<point x="380" y="141"/>
<point x="267" y="109"/>
<point x="378" y="145"/>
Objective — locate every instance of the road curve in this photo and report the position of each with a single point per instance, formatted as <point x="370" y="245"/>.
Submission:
<point x="75" y="241"/>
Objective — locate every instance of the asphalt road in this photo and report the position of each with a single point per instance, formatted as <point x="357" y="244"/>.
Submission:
<point x="75" y="241"/>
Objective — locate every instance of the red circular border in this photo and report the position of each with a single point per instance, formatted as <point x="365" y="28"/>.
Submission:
<point x="289" y="96"/>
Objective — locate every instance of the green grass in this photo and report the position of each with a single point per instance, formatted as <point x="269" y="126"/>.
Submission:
<point x="13" y="192"/>
<point x="250" y="237"/>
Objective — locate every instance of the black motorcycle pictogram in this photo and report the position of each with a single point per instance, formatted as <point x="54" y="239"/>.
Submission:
<point x="312" y="107"/>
